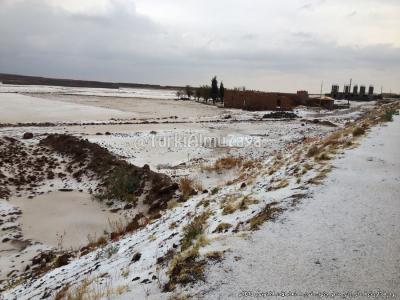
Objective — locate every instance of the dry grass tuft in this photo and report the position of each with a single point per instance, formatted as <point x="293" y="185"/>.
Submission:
<point x="313" y="151"/>
<point x="172" y="203"/>
<point x="198" y="186"/>
<point x="117" y="227"/>
<point x="185" y="268"/>
<point x="186" y="187"/>
<point x="222" y="227"/>
<point x="250" y="164"/>
<point x="88" y="289"/>
<point x="80" y="292"/>
<point x="276" y="164"/>
<point x="94" y="242"/>
<point x="215" y="255"/>
<point x="62" y="293"/>
<point x="232" y="203"/>
<point x="193" y="230"/>
<point x="224" y="163"/>
<point x="269" y="213"/>
<point x="178" y="297"/>
<point x="306" y="167"/>
<point x="282" y="183"/>
<point x="323" y="156"/>
<point x="333" y="139"/>
<point x="320" y="176"/>
<point x="358" y="131"/>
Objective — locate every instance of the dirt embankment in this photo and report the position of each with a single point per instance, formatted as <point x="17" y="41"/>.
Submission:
<point x="65" y="163"/>
<point x="118" y="179"/>
<point x="24" y="167"/>
<point x="27" y="167"/>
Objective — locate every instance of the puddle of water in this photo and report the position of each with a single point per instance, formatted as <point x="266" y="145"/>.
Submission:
<point x="72" y="214"/>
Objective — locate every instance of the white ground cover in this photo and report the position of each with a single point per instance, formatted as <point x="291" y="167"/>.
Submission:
<point x="340" y="232"/>
<point x="111" y="267"/>
<point x="122" y="92"/>
<point x="19" y="108"/>
<point x="344" y="238"/>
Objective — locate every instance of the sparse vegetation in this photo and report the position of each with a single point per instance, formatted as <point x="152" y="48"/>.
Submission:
<point x="333" y="139"/>
<point x="125" y="273"/>
<point x="313" y="151"/>
<point x="249" y="164"/>
<point x="358" y="131"/>
<point x="117" y="226"/>
<point x="214" y="190"/>
<point x="282" y="183"/>
<point x="178" y="297"/>
<point x="388" y="114"/>
<point x="194" y="229"/>
<point x="215" y="255"/>
<point x="90" y="289"/>
<point x="186" y="187"/>
<point x="232" y="203"/>
<point x="320" y="176"/>
<point x="173" y="225"/>
<point x="224" y="163"/>
<point x="172" y="204"/>
<point x="270" y="212"/>
<point x="185" y="267"/>
<point x="198" y="186"/>
<point x="323" y="156"/>
<point x="94" y="242"/>
<point x="222" y="227"/>
<point x="121" y="185"/>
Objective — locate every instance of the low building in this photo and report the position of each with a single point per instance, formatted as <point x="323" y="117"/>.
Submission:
<point x="254" y="100"/>
<point x="327" y="103"/>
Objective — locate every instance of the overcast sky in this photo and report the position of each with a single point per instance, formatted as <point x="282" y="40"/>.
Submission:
<point x="281" y="45"/>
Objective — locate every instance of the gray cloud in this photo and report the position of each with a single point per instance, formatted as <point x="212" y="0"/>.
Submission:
<point x="123" y="45"/>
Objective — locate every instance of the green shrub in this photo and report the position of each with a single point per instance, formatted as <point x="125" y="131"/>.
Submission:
<point x="214" y="191"/>
<point x="122" y="185"/>
<point x="388" y="115"/>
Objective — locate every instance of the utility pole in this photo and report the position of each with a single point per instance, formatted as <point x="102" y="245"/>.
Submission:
<point x="322" y="86"/>
<point x="320" y="95"/>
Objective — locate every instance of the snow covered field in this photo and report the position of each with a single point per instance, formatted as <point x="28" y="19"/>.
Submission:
<point x="59" y="90"/>
<point x="344" y="238"/>
<point x="325" y="236"/>
<point x="17" y="108"/>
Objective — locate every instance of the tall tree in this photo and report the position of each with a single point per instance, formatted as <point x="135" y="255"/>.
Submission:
<point x="205" y="92"/>
<point x="214" y="89"/>
<point x="221" y="91"/>
<point x="189" y="91"/>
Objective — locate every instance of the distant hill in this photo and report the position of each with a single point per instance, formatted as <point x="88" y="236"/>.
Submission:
<point x="35" y="80"/>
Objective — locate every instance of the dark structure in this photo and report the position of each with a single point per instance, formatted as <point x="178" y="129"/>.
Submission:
<point x="355" y="95"/>
<point x="362" y="91"/>
<point x="371" y="91"/>
<point x="254" y="100"/>
<point x="355" y="90"/>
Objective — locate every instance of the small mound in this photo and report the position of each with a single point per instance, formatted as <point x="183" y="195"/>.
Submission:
<point x="118" y="179"/>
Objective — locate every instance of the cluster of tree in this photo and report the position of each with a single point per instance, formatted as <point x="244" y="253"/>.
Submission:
<point x="205" y="92"/>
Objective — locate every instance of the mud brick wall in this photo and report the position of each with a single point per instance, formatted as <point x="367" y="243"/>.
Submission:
<point x="252" y="100"/>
